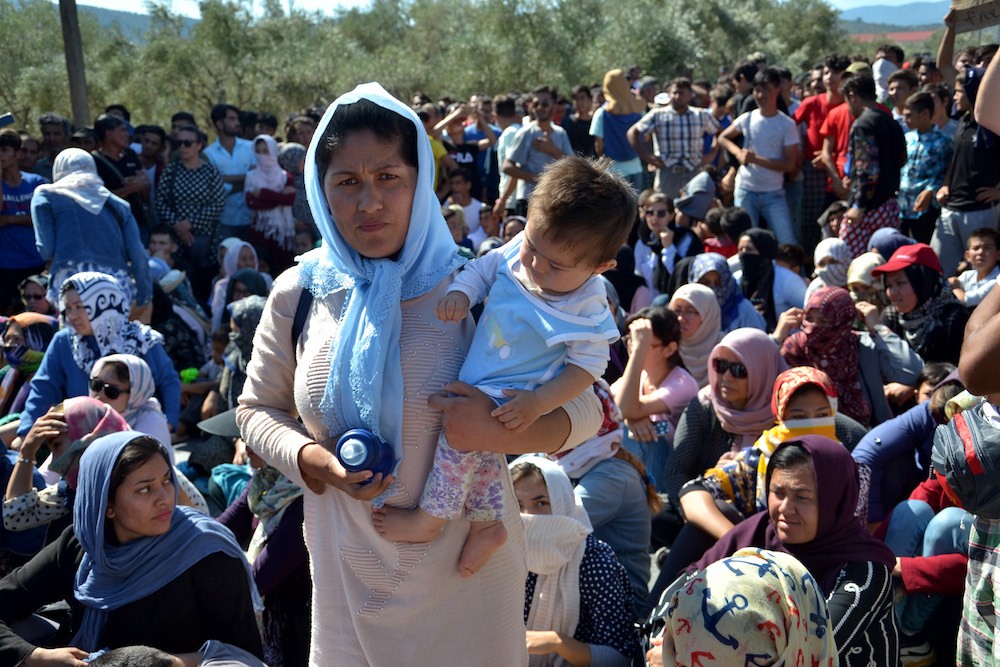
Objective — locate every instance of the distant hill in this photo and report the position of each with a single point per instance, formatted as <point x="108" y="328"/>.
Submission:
<point x="133" y="25"/>
<point x="914" y="14"/>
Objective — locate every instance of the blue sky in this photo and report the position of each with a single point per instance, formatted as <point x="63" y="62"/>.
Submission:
<point x="190" y="7"/>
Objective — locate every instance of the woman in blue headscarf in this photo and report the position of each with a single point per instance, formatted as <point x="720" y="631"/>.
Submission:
<point x="712" y="270"/>
<point x="134" y="567"/>
<point x="370" y="354"/>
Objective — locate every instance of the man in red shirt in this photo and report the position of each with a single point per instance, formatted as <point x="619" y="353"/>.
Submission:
<point x="813" y="112"/>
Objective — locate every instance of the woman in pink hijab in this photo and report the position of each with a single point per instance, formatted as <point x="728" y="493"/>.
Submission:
<point x="270" y="193"/>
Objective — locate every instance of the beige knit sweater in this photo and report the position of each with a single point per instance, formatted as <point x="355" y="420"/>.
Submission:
<point x="377" y="602"/>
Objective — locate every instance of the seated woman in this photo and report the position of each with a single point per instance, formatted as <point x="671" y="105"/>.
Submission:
<point x="239" y="255"/>
<point x="925" y="313"/>
<point x="831" y="258"/>
<point x="929" y="534"/>
<point x="712" y="270"/>
<point x="576" y="598"/>
<point x="804" y="401"/>
<point x="34" y="295"/>
<point x="25" y="339"/>
<point x="859" y="363"/>
<point x="701" y="320"/>
<point x="758" y="620"/>
<point x="771" y="288"/>
<point x="95" y="307"/>
<point x="812" y="517"/>
<point x="654" y="390"/>
<point x="726" y="416"/>
<point x="862" y="285"/>
<point x="616" y="493"/>
<point x="67" y="429"/>
<point x="134" y="567"/>
<point x="125" y="382"/>
<point x="245" y="315"/>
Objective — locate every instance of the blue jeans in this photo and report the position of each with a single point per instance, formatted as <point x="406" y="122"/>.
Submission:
<point x="773" y="206"/>
<point x="655" y="454"/>
<point x="914" y="530"/>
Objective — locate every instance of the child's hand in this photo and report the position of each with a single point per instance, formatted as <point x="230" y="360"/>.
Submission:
<point x="453" y="307"/>
<point x="520" y="412"/>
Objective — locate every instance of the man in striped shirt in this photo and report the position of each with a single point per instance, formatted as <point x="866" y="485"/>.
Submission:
<point x="678" y="136"/>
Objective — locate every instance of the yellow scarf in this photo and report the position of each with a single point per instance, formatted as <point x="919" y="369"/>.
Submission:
<point x="784" y="432"/>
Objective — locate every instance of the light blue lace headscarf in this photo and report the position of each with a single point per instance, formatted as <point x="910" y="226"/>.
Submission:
<point x="365" y="385"/>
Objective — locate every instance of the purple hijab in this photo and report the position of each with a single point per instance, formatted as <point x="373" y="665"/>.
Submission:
<point x="840" y="539"/>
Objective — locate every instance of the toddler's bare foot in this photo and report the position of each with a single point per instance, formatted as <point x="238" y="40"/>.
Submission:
<point x="485" y="537"/>
<point x="400" y="525"/>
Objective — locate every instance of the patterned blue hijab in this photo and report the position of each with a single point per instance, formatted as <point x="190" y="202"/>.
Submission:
<point x="729" y="293"/>
<point x="365" y="385"/>
<point x="111" y="576"/>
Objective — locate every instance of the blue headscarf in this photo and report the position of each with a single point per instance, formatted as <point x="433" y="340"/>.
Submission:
<point x="365" y="368"/>
<point x="729" y="293"/>
<point x="888" y="240"/>
<point x="110" y="576"/>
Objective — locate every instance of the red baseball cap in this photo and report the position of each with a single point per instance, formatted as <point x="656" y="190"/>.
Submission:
<point x="908" y="255"/>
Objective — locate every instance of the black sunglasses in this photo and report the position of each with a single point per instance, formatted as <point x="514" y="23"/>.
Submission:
<point x="109" y="390"/>
<point x="187" y="143"/>
<point x="735" y="368"/>
<point x="659" y="214"/>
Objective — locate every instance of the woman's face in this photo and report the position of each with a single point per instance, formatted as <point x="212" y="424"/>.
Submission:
<point x="793" y="504"/>
<point x="240" y="291"/>
<point x="34" y="300"/>
<point x="900" y="292"/>
<point x="746" y="246"/>
<point x="188" y="146"/>
<point x="657" y="217"/>
<point x="512" y="229"/>
<point x="144" y="502"/>
<point x="688" y="317"/>
<point x="532" y="495"/>
<point x="807" y="404"/>
<point x="76" y="314"/>
<point x="369" y="188"/>
<point x="733" y="390"/>
<point x="711" y="280"/>
<point x="246" y="259"/>
<point x="108" y="377"/>
<point x="260" y="148"/>
<point x="13" y="336"/>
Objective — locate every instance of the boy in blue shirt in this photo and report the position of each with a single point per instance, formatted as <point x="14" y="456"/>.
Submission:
<point x="972" y="286"/>
<point x="928" y="151"/>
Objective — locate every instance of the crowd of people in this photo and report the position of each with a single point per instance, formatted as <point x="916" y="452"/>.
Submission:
<point x="740" y="333"/>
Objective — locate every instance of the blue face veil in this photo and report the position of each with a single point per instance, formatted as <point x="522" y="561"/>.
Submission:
<point x="365" y="385"/>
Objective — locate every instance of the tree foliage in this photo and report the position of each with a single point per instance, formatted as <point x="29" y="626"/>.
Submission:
<point x="279" y="60"/>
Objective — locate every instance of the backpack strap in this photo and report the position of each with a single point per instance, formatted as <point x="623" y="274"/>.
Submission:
<point x="301" y="313"/>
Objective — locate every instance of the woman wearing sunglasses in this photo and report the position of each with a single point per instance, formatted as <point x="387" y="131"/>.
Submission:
<point x="80" y="226"/>
<point x="190" y="197"/>
<point x="94" y="308"/>
<point x="726" y="416"/>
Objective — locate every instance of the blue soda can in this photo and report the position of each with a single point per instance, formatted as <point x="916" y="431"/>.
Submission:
<point x="359" y="449"/>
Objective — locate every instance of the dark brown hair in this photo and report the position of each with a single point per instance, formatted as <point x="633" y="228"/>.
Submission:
<point x="133" y="456"/>
<point x="581" y="205"/>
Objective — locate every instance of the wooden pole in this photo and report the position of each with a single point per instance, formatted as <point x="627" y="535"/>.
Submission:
<point x="73" y="46"/>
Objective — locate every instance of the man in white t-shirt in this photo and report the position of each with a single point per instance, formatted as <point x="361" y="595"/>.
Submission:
<point x="770" y="150"/>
